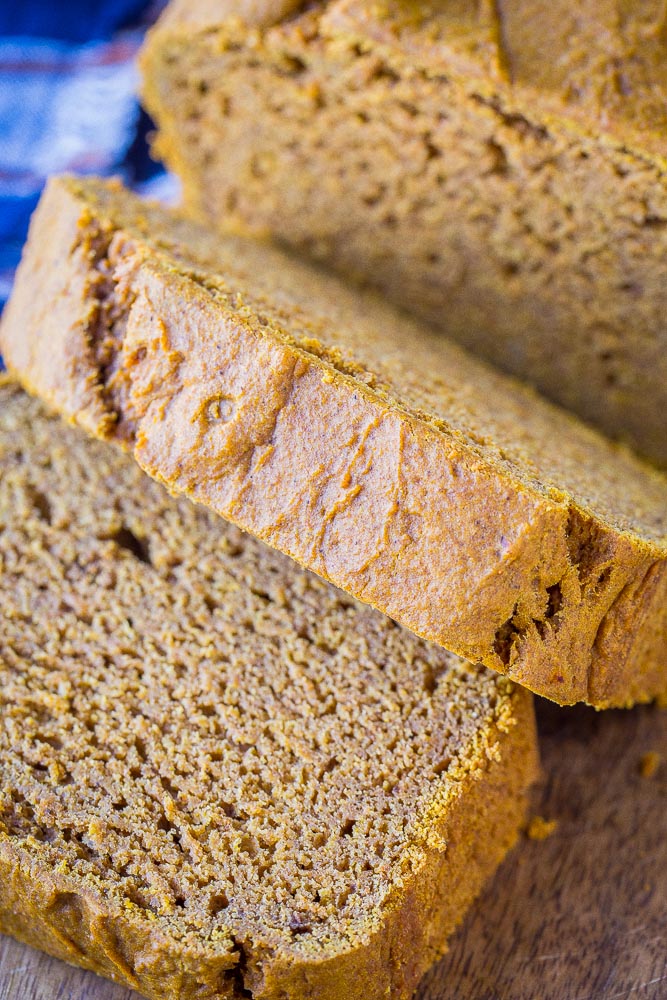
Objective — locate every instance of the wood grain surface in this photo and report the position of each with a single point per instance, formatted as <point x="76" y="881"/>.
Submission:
<point x="581" y="915"/>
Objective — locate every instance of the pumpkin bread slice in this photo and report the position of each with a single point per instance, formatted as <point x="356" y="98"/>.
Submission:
<point x="219" y="776"/>
<point x="499" y="169"/>
<point x="372" y="451"/>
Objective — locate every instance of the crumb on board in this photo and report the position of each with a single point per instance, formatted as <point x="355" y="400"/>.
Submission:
<point x="649" y="763"/>
<point x="540" y="828"/>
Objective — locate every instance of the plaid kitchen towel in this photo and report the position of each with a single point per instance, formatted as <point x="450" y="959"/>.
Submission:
<point x="68" y="83"/>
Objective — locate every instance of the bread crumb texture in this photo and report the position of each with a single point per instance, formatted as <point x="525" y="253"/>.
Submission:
<point x="219" y="776"/>
<point x="496" y="168"/>
<point x="372" y="451"/>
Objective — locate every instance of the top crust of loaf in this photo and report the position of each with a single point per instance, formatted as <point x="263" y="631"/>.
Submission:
<point x="603" y="72"/>
<point x="344" y="434"/>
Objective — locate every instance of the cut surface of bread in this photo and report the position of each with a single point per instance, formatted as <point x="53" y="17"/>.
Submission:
<point x="498" y="168"/>
<point x="372" y="451"/>
<point x="219" y="776"/>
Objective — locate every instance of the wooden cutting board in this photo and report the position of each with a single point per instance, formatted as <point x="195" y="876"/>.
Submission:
<point x="581" y="915"/>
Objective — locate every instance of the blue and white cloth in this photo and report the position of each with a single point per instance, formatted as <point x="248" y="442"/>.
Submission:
<point x="68" y="84"/>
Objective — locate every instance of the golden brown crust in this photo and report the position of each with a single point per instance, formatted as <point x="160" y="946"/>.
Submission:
<point x="218" y="776"/>
<point x="516" y="202"/>
<point x="56" y="912"/>
<point x="539" y="551"/>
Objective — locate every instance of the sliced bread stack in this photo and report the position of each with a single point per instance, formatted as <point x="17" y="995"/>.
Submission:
<point x="221" y="776"/>
<point x="199" y="732"/>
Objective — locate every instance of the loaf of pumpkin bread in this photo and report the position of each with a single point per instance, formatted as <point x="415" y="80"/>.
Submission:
<point x="367" y="448"/>
<point x="220" y="777"/>
<point x="498" y="168"/>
